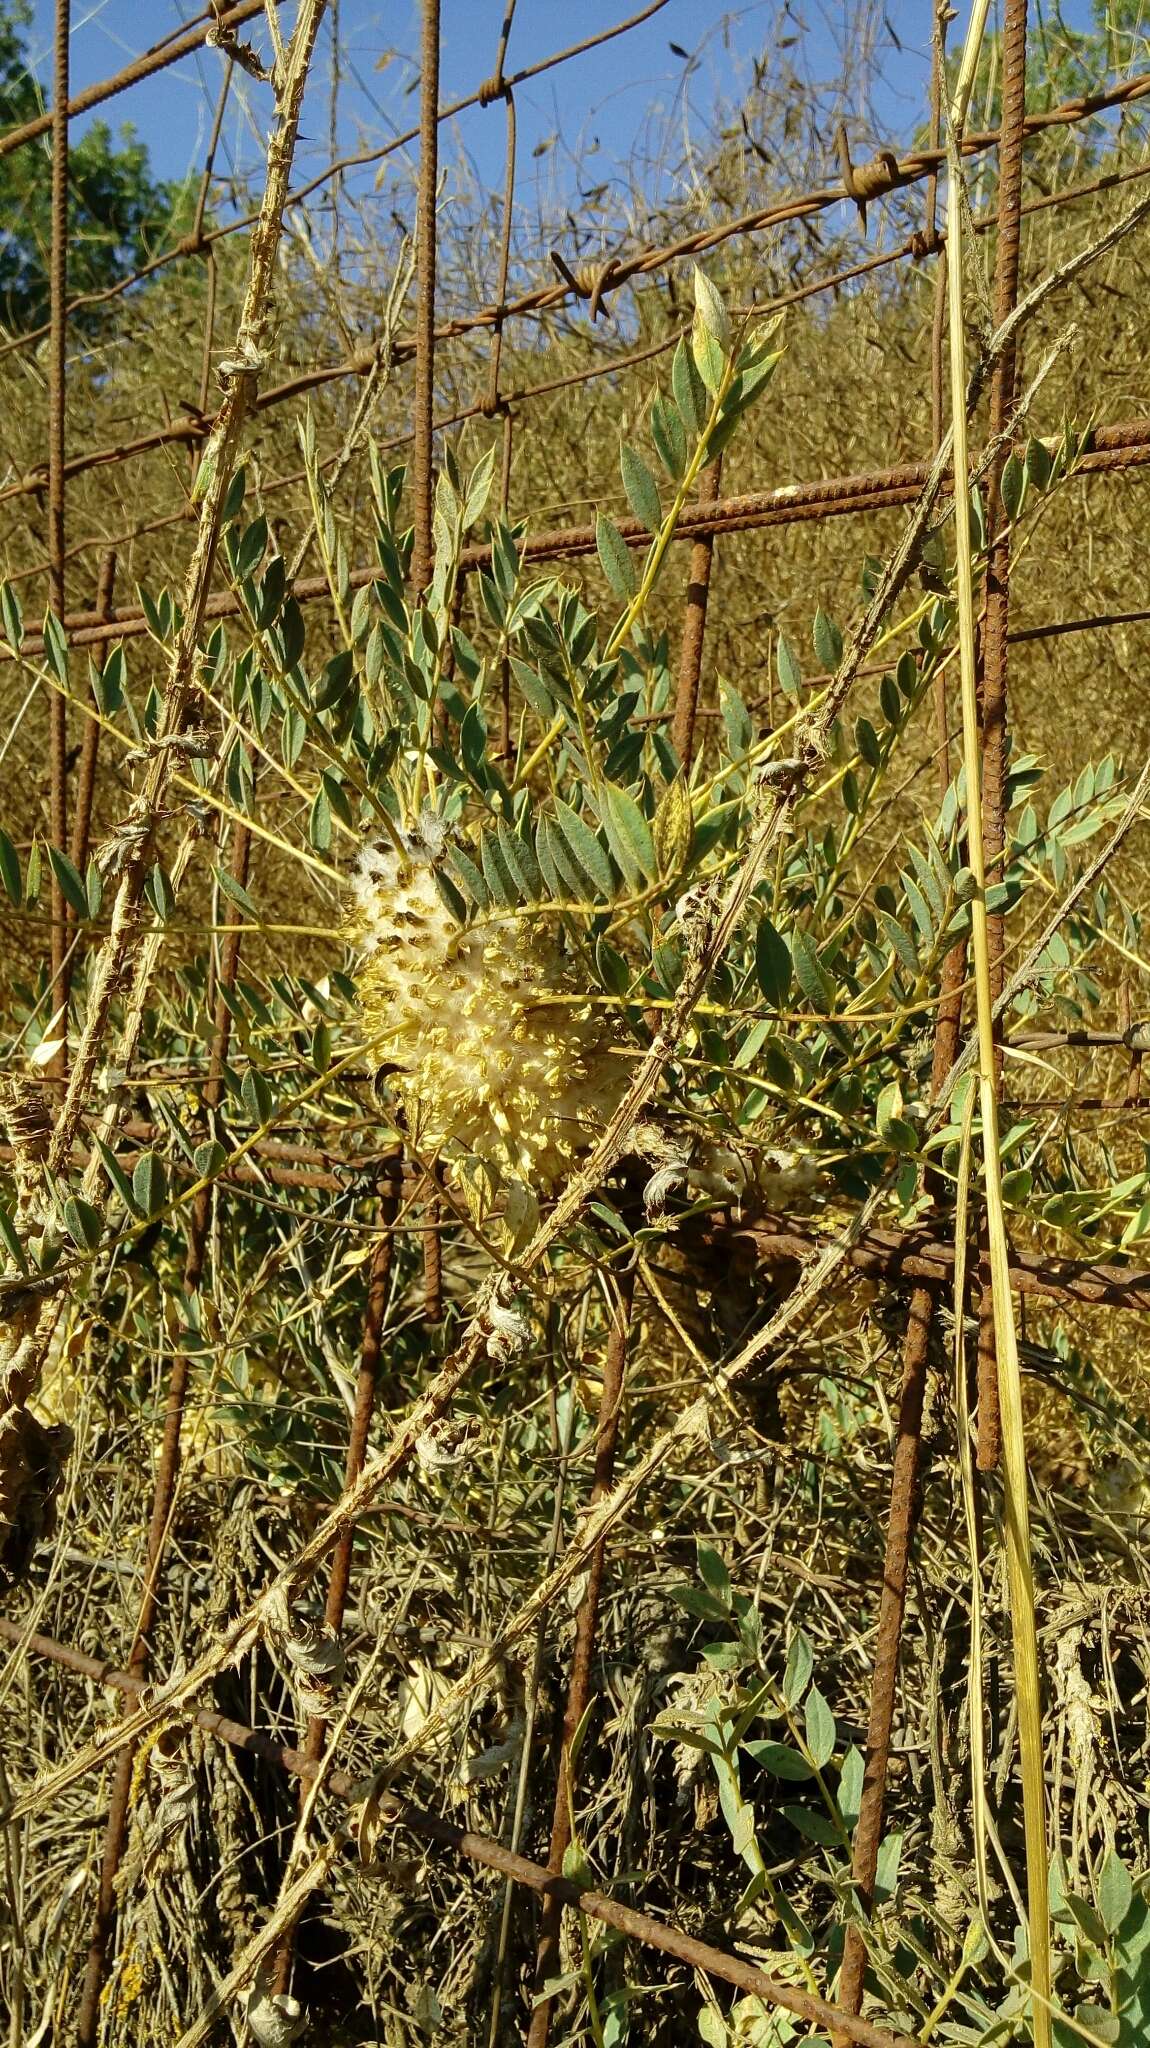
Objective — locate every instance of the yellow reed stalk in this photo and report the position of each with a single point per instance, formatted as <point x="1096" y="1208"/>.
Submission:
<point x="1019" y="1572"/>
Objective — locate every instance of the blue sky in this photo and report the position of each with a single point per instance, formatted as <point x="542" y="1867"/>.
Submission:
<point x="613" y="103"/>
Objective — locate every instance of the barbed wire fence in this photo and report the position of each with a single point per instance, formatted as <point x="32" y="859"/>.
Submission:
<point x="406" y="1203"/>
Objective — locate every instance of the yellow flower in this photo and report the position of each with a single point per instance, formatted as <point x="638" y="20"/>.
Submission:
<point x="495" y="1059"/>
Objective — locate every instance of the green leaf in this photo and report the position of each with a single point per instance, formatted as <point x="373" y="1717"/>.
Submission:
<point x="713" y="1572"/>
<point x="820" y="1728"/>
<point x="12" y="616"/>
<point x="586" y="850"/>
<point x="1013" y="486"/>
<point x="319" y="820"/>
<point x="708" y="356"/>
<point x="160" y="893"/>
<point x="496" y="874"/>
<point x="698" y="1601"/>
<point x="668" y="436"/>
<point x="850" y="1786"/>
<point x="919" y="907"/>
<point x="149" y="1184"/>
<point x="817" y="1827"/>
<point x="815" y="983"/>
<point x="772" y="964"/>
<point x="10" y="870"/>
<point x="615" y="559"/>
<point x="466" y="872"/>
<point x="612" y="969"/>
<point x="473" y="740"/>
<point x="886" y="1868"/>
<point x="520" y="862"/>
<point x="787" y="663"/>
<point x="712" y="2027"/>
<point x="208" y="1159"/>
<point x="256" y="1096"/>
<point x="83" y="1223"/>
<point x="478" y="488"/>
<point x="1039" y="464"/>
<point x="710" y="311"/>
<point x="70" y="881"/>
<point x="693" y="1730"/>
<point x="118" y="1178"/>
<point x="780" y="1760"/>
<point x="736" y="719"/>
<point x="866" y="741"/>
<point x="629" y="835"/>
<point x="900" y="940"/>
<point x="828" y="641"/>
<point x="1114" y="1891"/>
<point x="800" y="1664"/>
<point x="11" y="1239"/>
<point x="642" y="490"/>
<point x="690" y="396"/>
<point x="237" y="892"/>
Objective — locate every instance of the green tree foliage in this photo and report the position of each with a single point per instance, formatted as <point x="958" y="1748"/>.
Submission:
<point x="118" y="213"/>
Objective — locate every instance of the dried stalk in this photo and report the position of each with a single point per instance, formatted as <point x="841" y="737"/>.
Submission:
<point x="1020" y="1576"/>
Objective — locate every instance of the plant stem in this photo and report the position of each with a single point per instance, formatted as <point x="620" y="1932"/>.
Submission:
<point x="1019" y="1570"/>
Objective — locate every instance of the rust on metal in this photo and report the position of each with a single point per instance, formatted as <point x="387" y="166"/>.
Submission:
<point x="163" y="1492"/>
<point x="996" y="617"/>
<point x="695" y="625"/>
<point x="57" y="490"/>
<point x="640" y="1927"/>
<point x="582" y="1655"/>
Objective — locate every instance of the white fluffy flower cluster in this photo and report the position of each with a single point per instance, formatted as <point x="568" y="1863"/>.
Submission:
<point x="498" y="1051"/>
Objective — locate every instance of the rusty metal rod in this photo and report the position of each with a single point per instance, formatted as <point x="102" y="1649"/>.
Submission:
<point x="695" y="625"/>
<point x="1124" y="445"/>
<point x="425" y="254"/>
<point x="62" y="917"/>
<point x="996" y="620"/>
<point x="157" y="59"/>
<point x="640" y="1927"/>
<point x="582" y="1658"/>
<point x="917" y="164"/>
<point x="367" y="1382"/>
<point x="914" y="1255"/>
<point x="546" y="298"/>
<point x="163" y="1494"/>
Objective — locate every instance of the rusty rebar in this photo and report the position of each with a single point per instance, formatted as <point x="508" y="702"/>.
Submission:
<point x="695" y="625"/>
<point x="492" y="403"/>
<point x="158" y="59"/>
<point x="545" y="298"/>
<point x="367" y="1382"/>
<point x="902" y="1514"/>
<point x="902" y="1518"/>
<point x="194" y="243"/>
<point x="996" y="619"/>
<point x="582" y="1655"/>
<point x="57" y="490"/>
<point x="90" y="744"/>
<point x="640" y="1927"/>
<point x="163" y="1493"/>
<point x="425" y="254"/>
<point x="911" y="1255"/>
<point x="1123" y="445"/>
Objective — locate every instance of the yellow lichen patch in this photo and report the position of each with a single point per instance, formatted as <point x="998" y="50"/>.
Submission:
<point x="493" y="1059"/>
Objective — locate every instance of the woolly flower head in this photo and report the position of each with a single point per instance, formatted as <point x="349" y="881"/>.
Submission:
<point x="495" y="1055"/>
